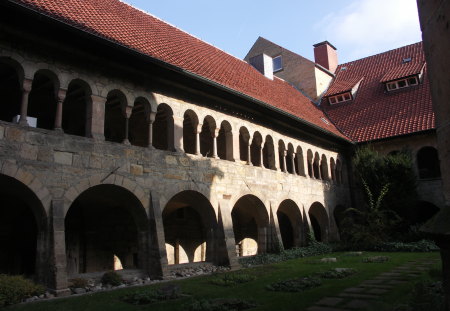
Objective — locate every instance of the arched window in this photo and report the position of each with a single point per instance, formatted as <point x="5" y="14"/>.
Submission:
<point x="115" y="121"/>
<point x="333" y="169"/>
<point x="290" y="166"/>
<point x="255" y="149"/>
<point x="163" y="128"/>
<point x="282" y="155"/>
<point x="42" y="99"/>
<point x="11" y="76"/>
<point x="309" y="158"/>
<point x="299" y="164"/>
<point x="190" y="124"/>
<point x="74" y="116"/>
<point x="244" y="138"/>
<point x="139" y="123"/>
<point x="324" y="168"/>
<point x="316" y="166"/>
<point x="428" y="163"/>
<point x="268" y="153"/>
<point x="225" y="142"/>
<point x="207" y="137"/>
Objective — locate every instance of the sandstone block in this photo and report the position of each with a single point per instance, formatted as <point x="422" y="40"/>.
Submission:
<point x="171" y="160"/>
<point x="136" y="169"/>
<point x="29" y="152"/>
<point x="15" y="134"/>
<point x="2" y="132"/>
<point x="64" y="158"/>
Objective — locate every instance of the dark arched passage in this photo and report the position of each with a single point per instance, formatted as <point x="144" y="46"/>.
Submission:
<point x="11" y="76"/>
<point x="290" y="222"/>
<point x="42" y="99"/>
<point x="163" y="128"/>
<point x="76" y="103"/>
<point x="428" y="163"/>
<point x="319" y="221"/>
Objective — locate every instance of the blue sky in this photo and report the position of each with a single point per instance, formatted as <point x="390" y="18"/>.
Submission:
<point x="357" y="28"/>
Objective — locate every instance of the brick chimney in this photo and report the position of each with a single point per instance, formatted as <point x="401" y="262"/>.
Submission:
<point x="264" y="64"/>
<point x="325" y="55"/>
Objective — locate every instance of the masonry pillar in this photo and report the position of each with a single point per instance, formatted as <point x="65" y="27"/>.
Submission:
<point x="198" y="130"/>
<point x="249" y="152"/>
<point x="226" y="225"/>
<point x="127" y="114"/>
<point x="262" y="239"/>
<point x="151" y="119"/>
<point x="236" y="148"/>
<point x="293" y="164"/>
<point x="215" y="133"/>
<point x="261" y="155"/>
<point x="284" y="154"/>
<point x="57" y="270"/>
<point x="59" y="109"/>
<point x="275" y="244"/>
<point x="96" y="118"/>
<point x="276" y="155"/>
<point x="27" y="83"/>
<point x="157" y="257"/>
<point x="178" y="134"/>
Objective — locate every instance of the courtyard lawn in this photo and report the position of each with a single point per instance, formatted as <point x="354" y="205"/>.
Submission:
<point x="255" y="290"/>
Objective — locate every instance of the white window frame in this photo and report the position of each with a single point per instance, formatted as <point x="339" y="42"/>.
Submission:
<point x="340" y="98"/>
<point x="394" y="85"/>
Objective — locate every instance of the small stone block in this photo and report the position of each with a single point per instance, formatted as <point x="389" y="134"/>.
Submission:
<point x="355" y="289"/>
<point x="330" y="301"/>
<point x="358" y="296"/>
<point x="377" y="291"/>
<point x="358" y="304"/>
<point x="331" y="259"/>
<point x="396" y="282"/>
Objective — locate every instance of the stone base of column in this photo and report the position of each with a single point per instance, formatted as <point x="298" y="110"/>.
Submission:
<point x="60" y="292"/>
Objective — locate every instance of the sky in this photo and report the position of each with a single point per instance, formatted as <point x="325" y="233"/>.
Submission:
<point x="357" y="28"/>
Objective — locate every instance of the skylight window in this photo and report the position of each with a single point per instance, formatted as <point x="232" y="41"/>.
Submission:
<point x="402" y="83"/>
<point x="340" y="98"/>
<point x="277" y="63"/>
<point x="407" y="60"/>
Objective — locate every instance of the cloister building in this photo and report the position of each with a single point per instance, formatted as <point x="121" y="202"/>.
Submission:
<point x="125" y="141"/>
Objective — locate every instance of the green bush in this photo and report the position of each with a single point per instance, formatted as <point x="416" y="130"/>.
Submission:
<point x="220" y="305"/>
<point x="337" y="273"/>
<point x="420" y="246"/>
<point x="111" y="278"/>
<point x="295" y="285"/>
<point x="230" y="279"/>
<point x="15" y="288"/>
<point x="376" y="259"/>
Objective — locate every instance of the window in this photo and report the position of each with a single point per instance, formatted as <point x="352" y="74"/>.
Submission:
<point x="340" y="98"/>
<point x="277" y="63"/>
<point x="399" y="84"/>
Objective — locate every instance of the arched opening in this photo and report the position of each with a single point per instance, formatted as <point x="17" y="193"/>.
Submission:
<point x="250" y="226"/>
<point x="269" y="153"/>
<point x="316" y="166"/>
<point x="290" y="159"/>
<point x="115" y="120"/>
<point x="339" y="216"/>
<point x="207" y="137"/>
<point x="424" y="211"/>
<point x="11" y="76"/>
<point x="74" y="116"/>
<point x="191" y="230"/>
<point x="338" y="172"/>
<point x="324" y="168"/>
<point x="309" y="159"/>
<point x="255" y="149"/>
<point x="428" y="163"/>
<point x="104" y="222"/>
<point x="163" y="131"/>
<point x="139" y="123"/>
<point x="333" y="170"/>
<point x="42" y="99"/>
<point x="319" y="221"/>
<point x="244" y="139"/>
<point x="225" y="142"/>
<point x="282" y="155"/>
<point x="22" y="219"/>
<point x="190" y="124"/>
<point x="290" y="223"/>
<point x="299" y="162"/>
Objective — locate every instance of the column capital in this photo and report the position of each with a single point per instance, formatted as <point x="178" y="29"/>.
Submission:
<point x="127" y="111"/>
<point x="151" y="116"/>
<point x="27" y="85"/>
<point x="215" y="132"/>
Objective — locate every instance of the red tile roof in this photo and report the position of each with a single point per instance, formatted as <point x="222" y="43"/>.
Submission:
<point x="403" y="70"/>
<point x="341" y="86"/>
<point x="375" y="113"/>
<point x="120" y="23"/>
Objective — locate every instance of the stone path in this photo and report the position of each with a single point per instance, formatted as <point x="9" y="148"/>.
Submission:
<point x="367" y="292"/>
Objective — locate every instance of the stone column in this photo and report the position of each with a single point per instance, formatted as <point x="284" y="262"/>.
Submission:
<point x="226" y="226"/>
<point x="215" y="133"/>
<point x="249" y="152"/>
<point x="261" y="164"/>
<point x="59" y="109"/>
<point x="96" y="118"/>
<point x="284" y="161"/>
<point x="293" y="164"/>
<point x="236" y="147"/>
<point x="27" y="84"/>
<point x="151" y="119"/>
<point x="198" y="130"/>
<point x="276" y="155"/>
<point x="127" y="114"/>
<point x="177" y="134"/>
<point x="58" y="274"/>
<point x="157" y="257"/>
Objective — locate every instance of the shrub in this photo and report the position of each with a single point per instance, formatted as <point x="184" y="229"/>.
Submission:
<point x="230" y="279"/>
<point x="111" y="278"/>
<point x="420" y="246"/>
<point x="220" y="305"/>
<point x="376" y="259"/>
<point x="15" y="288"/>
<point x="337" y="273"/>
<point x="295" y="285"/>
<point x="78" y="283"/>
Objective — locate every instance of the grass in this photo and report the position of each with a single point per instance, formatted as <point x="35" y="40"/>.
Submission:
<point x="255" y="289"/>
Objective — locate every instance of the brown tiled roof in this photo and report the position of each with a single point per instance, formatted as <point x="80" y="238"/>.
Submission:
<point x="120" y="23"/>
<point x="375" y="113"/>
<point x="342" y="86"/>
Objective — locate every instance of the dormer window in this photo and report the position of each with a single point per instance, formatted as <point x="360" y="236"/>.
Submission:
<point x="277" y="63"/>
<point x="402" y="83"/>
<point x="340" y="98"/>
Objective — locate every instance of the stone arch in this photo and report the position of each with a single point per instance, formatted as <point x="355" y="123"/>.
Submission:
<point x="320" y="222"/>
<point x="269" y="153"/>
<point x="316" y="166"/>
<point x="256" y="148"/>
<point x="290" y="223"/>
<point x="207" y="136"/>
<point x="324" y="168"/>
<point x="190" y="132"/>
<point x="309" y="160"/>
<point x="250" y="225"/>
<point x="290" y="165"/>
<point x="75" y="108"/>
<point x="428" y="163"/>
<point x="115" y="116"/>
<point x="23" y="224"/>
<point x="11" y="81"/>
<point x="163" y="128"/>
<point x="333" y="169"/>
<point x="42" y="99"/>
<point x="148" y="97"/>
<point x="244" y="142"/>
<point x="113" y="87"/>
<point x="225" y="141"/>
<point x="105" y="221"/>
<point x="281" y="155"/>
<point x="191" y="230"/>
<point x="139" y="124"/>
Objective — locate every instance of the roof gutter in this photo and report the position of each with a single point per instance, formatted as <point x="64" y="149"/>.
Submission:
<point x="185" y="72"/>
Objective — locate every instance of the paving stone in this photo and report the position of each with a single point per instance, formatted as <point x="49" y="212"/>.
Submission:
<point x="320" y="308"/>
<point x="356" y="295"/>
<point x="377" y="291"/>
<point x="373" y="281"/>
<point x="396" y="282"/>
<point x="355" y="289"/>
<point x="358" y="304"/>
<point x="390" y="274"/>
<point x="383" y="286"/>
<point x="330" y="301"/>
